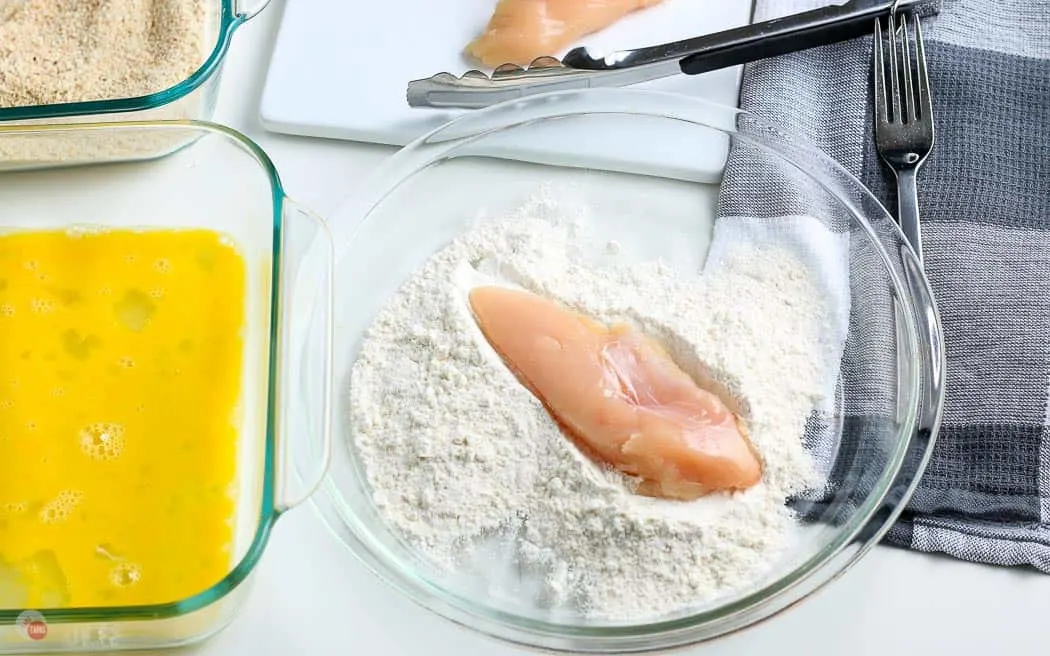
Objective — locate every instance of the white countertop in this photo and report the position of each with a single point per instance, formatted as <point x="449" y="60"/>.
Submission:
<point x="312" y="597"/>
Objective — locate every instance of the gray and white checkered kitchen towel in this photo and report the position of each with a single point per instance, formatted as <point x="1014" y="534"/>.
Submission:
<point x="985" y="202"/>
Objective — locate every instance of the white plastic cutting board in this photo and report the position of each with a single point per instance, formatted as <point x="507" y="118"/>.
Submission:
<point x="339" y="70"/>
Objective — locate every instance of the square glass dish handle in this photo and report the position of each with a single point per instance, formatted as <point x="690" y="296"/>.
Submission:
<point x="303" y="377"/>
<point x="248" y="9"/>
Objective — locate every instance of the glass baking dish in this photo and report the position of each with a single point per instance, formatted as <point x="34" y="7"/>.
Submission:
<point x="224" y="182"/>
<point x="192" y="98"/>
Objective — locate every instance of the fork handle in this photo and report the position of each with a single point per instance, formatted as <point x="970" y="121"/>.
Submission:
<point x="908" y="208"/>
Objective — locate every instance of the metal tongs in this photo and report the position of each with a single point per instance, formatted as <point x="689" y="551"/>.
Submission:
<point x="582" y="69"/>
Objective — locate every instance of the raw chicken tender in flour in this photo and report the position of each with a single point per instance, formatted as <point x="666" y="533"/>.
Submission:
<point x="619" y="395"/>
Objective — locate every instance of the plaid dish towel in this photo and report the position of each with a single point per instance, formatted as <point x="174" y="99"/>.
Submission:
<point x="985" y="204"/>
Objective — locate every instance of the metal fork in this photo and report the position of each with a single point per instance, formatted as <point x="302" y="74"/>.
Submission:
<point x="904" y="131"/>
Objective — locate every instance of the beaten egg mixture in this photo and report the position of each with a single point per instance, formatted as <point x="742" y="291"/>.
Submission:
<point x="120" y="375"/>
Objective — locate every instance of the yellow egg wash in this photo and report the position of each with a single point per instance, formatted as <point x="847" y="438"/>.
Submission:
<point x="120" y="376"/>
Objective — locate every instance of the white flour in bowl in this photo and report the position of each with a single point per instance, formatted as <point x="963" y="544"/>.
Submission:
<point x="457" y="452"/>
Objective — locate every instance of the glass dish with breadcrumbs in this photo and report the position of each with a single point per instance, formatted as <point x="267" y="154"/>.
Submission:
<point x="76" y="62"/>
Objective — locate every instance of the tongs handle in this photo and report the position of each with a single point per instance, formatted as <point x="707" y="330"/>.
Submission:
<point x="789" y="34"/>
<point x="748" y="43"/>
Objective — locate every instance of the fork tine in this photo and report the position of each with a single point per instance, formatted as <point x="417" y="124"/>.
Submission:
<point x="909" y="109"/>
<point x="879" y="73"/>
<point x="923" y="101"/>
<point x="895" y="88"/>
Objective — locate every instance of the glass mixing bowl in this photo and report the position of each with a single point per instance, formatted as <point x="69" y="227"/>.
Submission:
<point x="890" y="378"/>
<point x="223" y="182"/>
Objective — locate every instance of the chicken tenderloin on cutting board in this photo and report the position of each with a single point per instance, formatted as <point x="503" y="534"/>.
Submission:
<point x="522" y="30"/>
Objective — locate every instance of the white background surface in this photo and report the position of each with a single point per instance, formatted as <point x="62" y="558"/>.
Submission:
<point x="312" y="597"/>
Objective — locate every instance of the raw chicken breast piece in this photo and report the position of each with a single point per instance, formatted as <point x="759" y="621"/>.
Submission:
<point x="522" y="30"/>
<point x="619" y="396"/>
